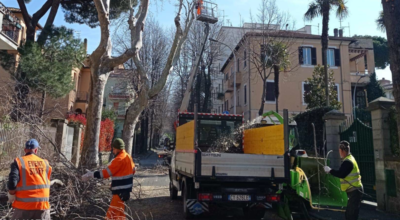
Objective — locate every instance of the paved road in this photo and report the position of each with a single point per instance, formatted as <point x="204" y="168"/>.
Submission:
<point x="155" y="200"/>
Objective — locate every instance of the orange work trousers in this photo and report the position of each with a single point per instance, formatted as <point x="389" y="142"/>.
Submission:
<point x="116" y="211"/>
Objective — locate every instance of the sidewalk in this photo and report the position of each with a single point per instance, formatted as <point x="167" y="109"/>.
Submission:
<point x="367" y="212"/>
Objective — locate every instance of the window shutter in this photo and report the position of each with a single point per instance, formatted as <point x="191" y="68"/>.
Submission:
<point x="337" y="57"/>
<point x="301" y="56"/>
<point x="313" y="56"/>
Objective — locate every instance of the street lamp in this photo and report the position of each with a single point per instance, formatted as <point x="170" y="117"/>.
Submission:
<point x="354" y="94"/>
<point x="234" y="76"/>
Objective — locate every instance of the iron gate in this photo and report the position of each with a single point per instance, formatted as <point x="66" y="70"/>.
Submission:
<point x="360" y="138"/>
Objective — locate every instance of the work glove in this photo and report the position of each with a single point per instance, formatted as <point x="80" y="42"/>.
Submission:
<point x="11" y="198"/>
<point x="124" y="196"/>
<point x="327" y="169"/>
<point x="88" y="176"/>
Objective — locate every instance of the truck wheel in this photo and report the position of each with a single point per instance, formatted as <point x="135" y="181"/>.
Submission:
<point x="186" y="194"/>
<point x="173" y="192"/>
<point x="253" y="213"/>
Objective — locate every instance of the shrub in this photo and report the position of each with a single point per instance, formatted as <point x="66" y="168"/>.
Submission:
<point x="106" y="131"/>
<point x="305" y="129"/>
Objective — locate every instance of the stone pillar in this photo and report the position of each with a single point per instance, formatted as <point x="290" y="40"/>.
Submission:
<point x="333" y="120"/>
<point x="76" y="144"/>
<point x="381" y="137"/>
<point x="61" y="133"/>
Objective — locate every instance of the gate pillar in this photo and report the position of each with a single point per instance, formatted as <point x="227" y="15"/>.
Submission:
<point x="333" y="119"/>
<point x="381" y="137"/>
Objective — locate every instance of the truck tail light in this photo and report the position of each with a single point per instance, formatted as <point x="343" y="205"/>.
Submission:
<point x="160" y="156"/>
<point x="273" y="198"/>
<point x="205" y="197"/>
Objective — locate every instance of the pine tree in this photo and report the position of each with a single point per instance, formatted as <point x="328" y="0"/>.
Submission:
<point x="374" y="89"/>
<point x="315" y="97"/>
<point x="47" y="69"/>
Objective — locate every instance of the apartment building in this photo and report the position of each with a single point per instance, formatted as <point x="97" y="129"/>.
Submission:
<point x="117" y="97"/>
<point x="229" y="37"/>
<point x="349" y="59"/>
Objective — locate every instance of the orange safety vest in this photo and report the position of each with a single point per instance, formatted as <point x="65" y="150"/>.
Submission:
<point x="121" y="170"/>
<point x="199" y="7"/>
<point x="33" y="187"/>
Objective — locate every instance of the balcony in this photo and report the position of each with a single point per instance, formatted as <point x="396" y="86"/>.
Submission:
<point x="119" y="95"/>
<point x="228" y="83"/>
<point x="82" y="97"/>
<point x="10" y="29"/>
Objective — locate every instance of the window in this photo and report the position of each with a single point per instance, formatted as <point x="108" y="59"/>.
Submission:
<point x="226" y="76"/>
<point x="238" y="65"/>
<point x="219" y="88"/>
<point x="270" y="91"/>
<point x="307" y="56"/>
<point x="331" y="57"/>
<point x="116" y="105"/>
<point x="245" y="94"/>
<point x="244" y="59"/>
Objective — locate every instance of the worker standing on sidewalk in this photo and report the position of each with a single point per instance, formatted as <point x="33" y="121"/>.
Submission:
<point x="29" y="184"/>
<point x="350" y="180"/>
<point x="121" y="170"/>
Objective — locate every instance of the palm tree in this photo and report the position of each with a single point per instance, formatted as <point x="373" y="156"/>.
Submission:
<point x="380" y="22"/>
<point x="323" y="8"/>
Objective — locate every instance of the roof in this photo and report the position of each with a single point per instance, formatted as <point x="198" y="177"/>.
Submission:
<point x="17" y="10"/>
<point x="284" y="34"/>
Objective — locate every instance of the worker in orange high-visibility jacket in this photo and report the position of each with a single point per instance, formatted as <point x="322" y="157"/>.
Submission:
<point x="29" y="184"/>
<point x="121" y="170"/>
<point x="199" y="7"/>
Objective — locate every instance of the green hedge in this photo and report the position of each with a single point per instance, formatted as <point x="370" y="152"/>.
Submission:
<point x="394" y="135"/>
<point x="305" y="129"/>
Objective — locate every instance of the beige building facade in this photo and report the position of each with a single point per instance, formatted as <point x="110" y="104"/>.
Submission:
<point x="349" y="58"/>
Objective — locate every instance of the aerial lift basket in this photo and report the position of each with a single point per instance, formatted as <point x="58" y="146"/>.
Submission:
<point x="206" y="12"/>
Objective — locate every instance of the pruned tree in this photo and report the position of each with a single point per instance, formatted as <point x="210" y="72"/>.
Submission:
<point x="315" y="96"/>
<point x="102" y="63"/>
<point x="323" y="8"/>
<point x="391" y="16"/>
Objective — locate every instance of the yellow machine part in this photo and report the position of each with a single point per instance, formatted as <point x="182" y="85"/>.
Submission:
<point x="185" y="136"/>
<point x="265" y="140"/>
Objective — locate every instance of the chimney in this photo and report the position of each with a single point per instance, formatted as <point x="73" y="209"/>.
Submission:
<point x="85" y="45"/>
<point x="341" y="33"/>
<point x="335" y="32"/>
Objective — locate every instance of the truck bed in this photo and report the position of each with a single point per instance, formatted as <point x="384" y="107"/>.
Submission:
<point x="231" y="165"/>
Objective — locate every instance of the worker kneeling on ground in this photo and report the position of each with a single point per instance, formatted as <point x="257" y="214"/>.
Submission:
<point x="29" y="185"/>
<point x="121" y="170"/>
<point x="350" y="180"/>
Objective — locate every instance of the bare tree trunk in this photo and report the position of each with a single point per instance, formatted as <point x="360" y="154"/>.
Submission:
<point x="132" y="118"/>
<point x="276" y="82"/>
<point x="151" y="129"/>
<point x="43" y="105"/>
<point x="261" y="111"/>
<point x="391" y="11"/>
<point x="90" y="149"/>
<point x="324" y="42"/>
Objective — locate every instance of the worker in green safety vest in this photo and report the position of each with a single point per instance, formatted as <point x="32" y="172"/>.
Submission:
<point x="350" y="180"/>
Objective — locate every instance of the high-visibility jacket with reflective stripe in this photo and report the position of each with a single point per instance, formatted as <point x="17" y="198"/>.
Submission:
<point x="121" y="170"/>
<point x="33" y="188"/>
<point x="354" y="178"/>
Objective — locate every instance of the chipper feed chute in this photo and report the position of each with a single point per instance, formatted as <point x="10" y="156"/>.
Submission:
<point x="314" y="185"/>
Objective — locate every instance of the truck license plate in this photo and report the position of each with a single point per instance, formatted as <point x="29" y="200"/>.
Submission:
<point x="239" y="198"/>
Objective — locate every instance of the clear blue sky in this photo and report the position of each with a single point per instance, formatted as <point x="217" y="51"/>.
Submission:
<point x="362" y="16"/>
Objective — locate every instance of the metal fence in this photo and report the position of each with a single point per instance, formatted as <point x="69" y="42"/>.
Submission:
<point x="14" y="135"/>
